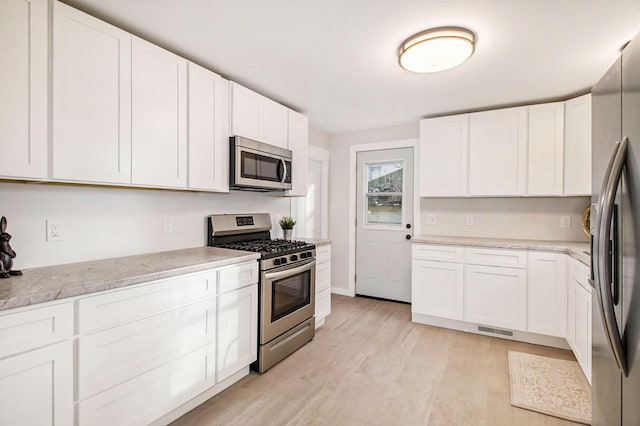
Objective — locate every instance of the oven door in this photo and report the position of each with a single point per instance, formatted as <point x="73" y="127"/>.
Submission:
<point x="288" y="298"/>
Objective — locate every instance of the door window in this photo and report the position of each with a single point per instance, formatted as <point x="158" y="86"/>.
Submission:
<point x="384" y="197"/>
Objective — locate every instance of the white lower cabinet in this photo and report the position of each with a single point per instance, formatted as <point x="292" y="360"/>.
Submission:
<point x="148" y="349"/>
<point x="436" y="288"/>
<point x="547" y="293"/>
<point x="36" y="366"/>
<point x="579" y="315"/>
<point x="237" y="330"/>
<point x="323" y="284"/>
<point x="496" y="296"/>
<point x="534" y="296"/>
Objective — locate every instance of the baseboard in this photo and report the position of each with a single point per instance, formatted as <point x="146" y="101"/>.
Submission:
<point x="204" y="396"/>
<point x="319" y="323"/>
<point x="342" y="291"/>
<point x="469" y="327"/>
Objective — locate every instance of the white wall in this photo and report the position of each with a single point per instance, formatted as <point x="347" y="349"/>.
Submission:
<point x="111" y="222"/>
<point x="319" y="138"/>
<point x="339" y="191"/>
<point x="528" y="218"/>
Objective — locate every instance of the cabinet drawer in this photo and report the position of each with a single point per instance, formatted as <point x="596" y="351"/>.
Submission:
<point x="323" y="304"/>
<point x="238" y="276"/>
<point x="153" y="394"/>
<point x="323" y="276"/>
<point x="113" y="356"/>
<point x="496" y="257"/>
<point x="438" y="253"/>
<point x="147" y="299"/>
<point x="323" y="254"/>
<point x="34" y="328"/>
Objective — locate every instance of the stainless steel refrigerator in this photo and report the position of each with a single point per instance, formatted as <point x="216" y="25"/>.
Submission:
<point x="615" y="214"/>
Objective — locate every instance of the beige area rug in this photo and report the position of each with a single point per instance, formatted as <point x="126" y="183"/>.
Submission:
<point x="550" y="386"/>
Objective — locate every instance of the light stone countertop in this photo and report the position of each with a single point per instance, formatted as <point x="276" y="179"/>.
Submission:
<point x="574" y="249"/>
<point x="316" y="241"/>
<point x="39" y="285"/>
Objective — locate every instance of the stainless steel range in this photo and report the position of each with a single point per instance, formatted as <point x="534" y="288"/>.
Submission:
<point x="287" y="283"/>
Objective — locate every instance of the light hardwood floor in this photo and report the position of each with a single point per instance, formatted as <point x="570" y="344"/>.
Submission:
<point x="370" y="365"/>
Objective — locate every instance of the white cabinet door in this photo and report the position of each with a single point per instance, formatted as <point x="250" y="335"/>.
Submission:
<point x="245" y="112"/>
<point x="496" y="296"/>
<point x="275" y="123"/>
<point x="571" y="313"/>
<point x="237" y="330"/>
<point x="443" y="156"/>
<point x="91" y="133"/>
<point x="158" y="116"/>
<point x="547" y="293"/>
<point x="36" y="388"/>
<point x="208" y="130"/>
<point x="259" y="118"/>
<point x="497" y="152"/>
<point x="437" y="289"/>
<point x="23" y="85"/>
<point x="577" y="146"/>
<point x="298" y="144"/>
<point x="580" y="315"/>
<point x="546" y="149"/>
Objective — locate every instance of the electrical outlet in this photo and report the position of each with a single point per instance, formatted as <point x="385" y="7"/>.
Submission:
<point x="167" y="225"/>
<point x="55" y="230"/>
<point x="469" y="220"/>
<point x="431" y="219"/>
<point x="565" y="221"/>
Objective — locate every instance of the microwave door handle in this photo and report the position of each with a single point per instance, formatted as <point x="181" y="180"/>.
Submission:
<point x="289" y="272"/>
<point x="284" y="170"/>
<point x="603" y="255"/>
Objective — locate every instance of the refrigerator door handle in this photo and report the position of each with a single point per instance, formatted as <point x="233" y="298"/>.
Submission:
<point x="603" y="270"/>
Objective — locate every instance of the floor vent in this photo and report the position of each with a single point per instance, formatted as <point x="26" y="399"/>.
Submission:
<point x="495" y="331"/>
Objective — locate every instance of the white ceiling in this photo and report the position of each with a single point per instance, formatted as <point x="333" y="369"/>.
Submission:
<point x="336" y="61"/>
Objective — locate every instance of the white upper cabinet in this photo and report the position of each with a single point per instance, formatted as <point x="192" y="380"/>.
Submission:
<point x="208" y="130"/>
<point x="497" y="152"/>
<point x="546" y="143"/>
<point x="275" y="123"/>
<point x="443" y="156"/>
<point x="259" y="118"/>
<point x="298" y="144"/>
<point x="91" y="139"/>
<point x="23" y="85"/>
<point x="577" y="146"/>
<point x="158" y="116"/>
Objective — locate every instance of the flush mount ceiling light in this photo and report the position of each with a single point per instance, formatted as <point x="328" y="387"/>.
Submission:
<point x="436" y="50"/>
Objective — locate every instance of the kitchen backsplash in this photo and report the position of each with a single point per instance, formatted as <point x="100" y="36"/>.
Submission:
<point x="99" y="223"/>
<point x="528" y="218"/>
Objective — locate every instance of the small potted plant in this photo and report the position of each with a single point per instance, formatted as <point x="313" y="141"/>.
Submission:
<point x="287" y="223"/>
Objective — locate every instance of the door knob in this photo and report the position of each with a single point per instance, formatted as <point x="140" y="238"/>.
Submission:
<point x="408" y="226"/>
<point x="408" y="237"/>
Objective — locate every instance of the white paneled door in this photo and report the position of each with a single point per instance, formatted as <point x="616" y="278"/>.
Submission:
<point x="384" y="221"/>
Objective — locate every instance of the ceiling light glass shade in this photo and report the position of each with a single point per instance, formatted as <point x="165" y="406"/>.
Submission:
<point x="436" y="50"/>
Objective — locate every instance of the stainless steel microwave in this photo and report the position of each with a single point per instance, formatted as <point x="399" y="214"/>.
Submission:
<point x="258" y="166"/>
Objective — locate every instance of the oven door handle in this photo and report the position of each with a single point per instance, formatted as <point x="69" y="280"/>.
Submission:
<point x="288" y="272"/>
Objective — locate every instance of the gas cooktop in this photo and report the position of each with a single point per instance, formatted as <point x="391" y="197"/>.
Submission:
<point x="269" y="248"/>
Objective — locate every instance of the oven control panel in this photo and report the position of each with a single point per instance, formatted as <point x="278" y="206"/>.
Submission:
<point x="288" y="259"/>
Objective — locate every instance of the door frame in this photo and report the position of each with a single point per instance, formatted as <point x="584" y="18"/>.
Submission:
<point x="353" y="162"/>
